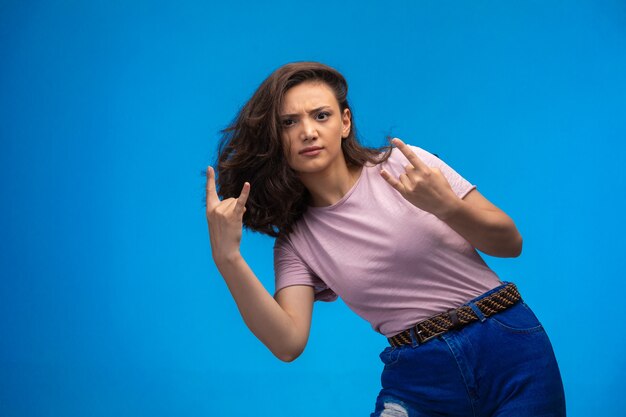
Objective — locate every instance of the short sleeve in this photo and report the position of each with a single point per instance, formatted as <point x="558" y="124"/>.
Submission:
<point x="290" y="269"/>
<point x="459" y="184"/>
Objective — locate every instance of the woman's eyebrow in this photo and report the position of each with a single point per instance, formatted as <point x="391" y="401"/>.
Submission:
<point x="312" y="111"/>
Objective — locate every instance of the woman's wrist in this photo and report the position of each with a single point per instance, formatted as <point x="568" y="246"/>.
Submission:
<point x="226" y="258"/>
<point x="450" y="209"/>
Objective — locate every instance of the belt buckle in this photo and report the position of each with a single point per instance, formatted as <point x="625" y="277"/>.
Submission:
<point x="422" y="339"/>
<point x="452" y="314"/>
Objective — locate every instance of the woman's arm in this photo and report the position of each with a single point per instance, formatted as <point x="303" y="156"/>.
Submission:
<point x="284" y="330"/>
<point x="484" y="225"/>
<point x="281" y="324"/>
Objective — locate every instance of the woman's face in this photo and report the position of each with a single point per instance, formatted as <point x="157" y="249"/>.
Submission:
<point x="310" y="117"/>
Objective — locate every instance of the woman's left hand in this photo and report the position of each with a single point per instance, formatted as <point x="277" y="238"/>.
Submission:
<point x="424" y="187"/>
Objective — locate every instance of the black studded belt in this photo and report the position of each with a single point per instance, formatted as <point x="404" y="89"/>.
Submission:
<point x="458" y="317"/>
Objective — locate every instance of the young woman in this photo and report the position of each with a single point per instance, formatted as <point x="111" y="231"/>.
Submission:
<point x="394" y="232"/>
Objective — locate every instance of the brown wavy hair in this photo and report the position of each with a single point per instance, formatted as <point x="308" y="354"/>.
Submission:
<point x="251" y="150"/>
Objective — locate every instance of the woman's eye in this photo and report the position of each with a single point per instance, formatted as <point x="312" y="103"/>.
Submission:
<point x="287" y="122"/>
<point x="324" y="114"/>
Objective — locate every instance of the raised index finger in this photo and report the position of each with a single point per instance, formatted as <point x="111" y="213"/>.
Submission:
<point x="410" y="155"/>
<point x="212" y="199"/>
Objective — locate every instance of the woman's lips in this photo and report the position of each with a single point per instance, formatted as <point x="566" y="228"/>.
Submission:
<point x="311" y="153"/>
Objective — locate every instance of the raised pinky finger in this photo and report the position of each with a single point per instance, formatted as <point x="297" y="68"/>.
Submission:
<point x="391" y="180"/>
<point x="243" y="197"/>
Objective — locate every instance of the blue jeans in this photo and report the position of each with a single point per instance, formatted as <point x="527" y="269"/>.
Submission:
<point x="499" y="366"/>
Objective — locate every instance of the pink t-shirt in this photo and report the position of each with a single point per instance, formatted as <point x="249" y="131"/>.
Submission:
<point x="392" y="263"/>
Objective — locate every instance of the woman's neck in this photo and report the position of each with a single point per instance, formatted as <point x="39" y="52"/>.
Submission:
<point x="328" y="188"/>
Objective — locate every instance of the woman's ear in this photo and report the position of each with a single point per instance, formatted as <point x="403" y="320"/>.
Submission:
<point x="346" y="123"/>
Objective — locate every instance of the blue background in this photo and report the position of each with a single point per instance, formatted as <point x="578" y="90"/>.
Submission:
<point x="110" y="303"/>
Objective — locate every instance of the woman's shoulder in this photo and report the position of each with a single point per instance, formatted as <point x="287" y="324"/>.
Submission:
<point x="290" y="240"/>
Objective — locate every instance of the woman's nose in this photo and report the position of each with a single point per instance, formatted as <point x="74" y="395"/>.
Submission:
<point x="308" y="130"/>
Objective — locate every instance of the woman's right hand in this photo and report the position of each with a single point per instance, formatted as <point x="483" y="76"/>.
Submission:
<point x="225" y="219"/>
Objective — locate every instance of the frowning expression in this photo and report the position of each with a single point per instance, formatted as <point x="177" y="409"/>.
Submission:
<point x="313" y="127"/>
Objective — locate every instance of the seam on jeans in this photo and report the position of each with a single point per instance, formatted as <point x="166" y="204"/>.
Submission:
<point x="515" y="330"/>
<point x="527" y="330"/>
<point x="388" y="354"/>
<point x="467" y="390"/>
